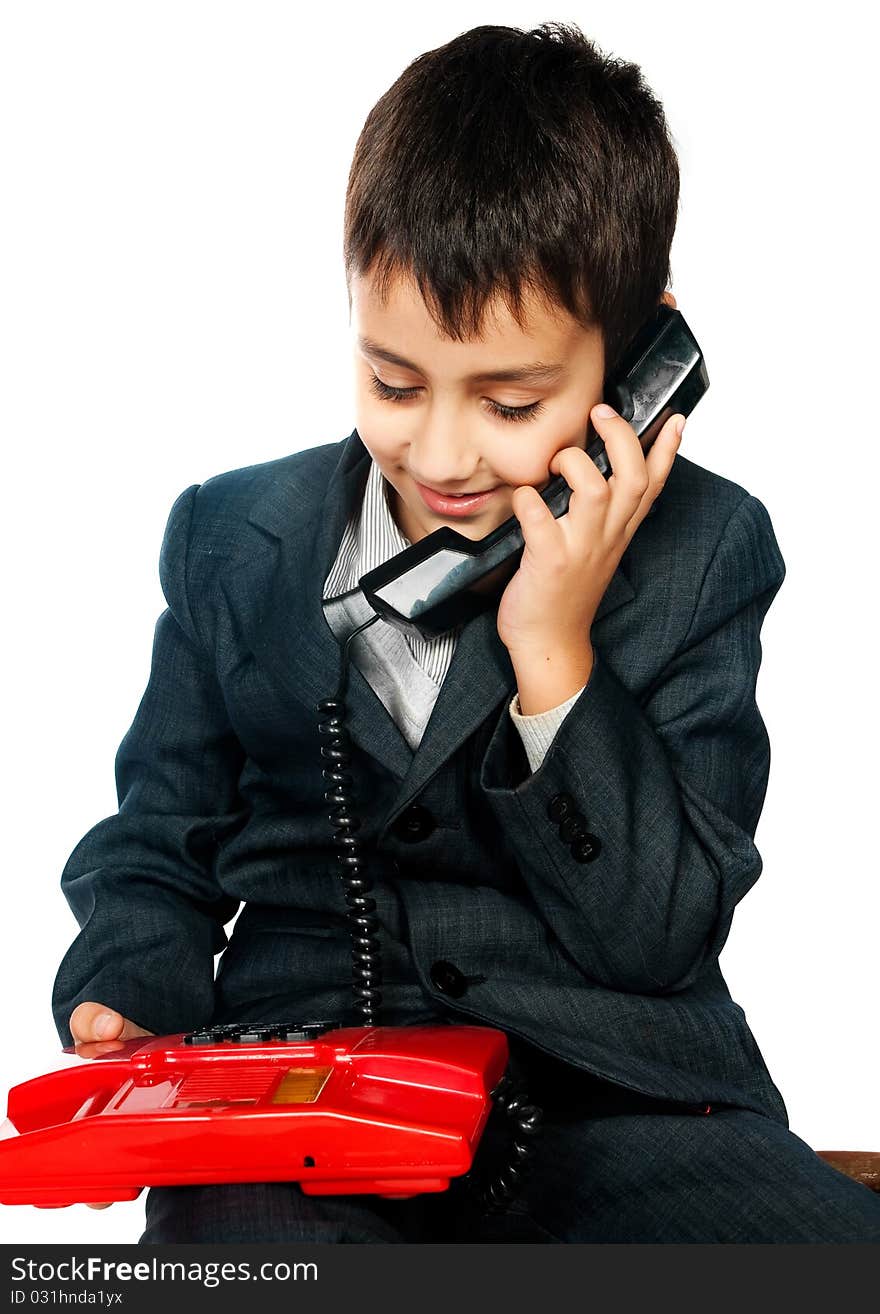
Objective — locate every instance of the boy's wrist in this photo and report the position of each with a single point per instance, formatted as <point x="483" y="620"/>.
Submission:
<point x="550" y="674"/>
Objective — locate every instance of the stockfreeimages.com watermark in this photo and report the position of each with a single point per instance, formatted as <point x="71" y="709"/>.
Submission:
<point x="209" y="1273"/>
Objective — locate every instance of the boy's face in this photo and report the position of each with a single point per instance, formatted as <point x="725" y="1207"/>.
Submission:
<point x="450" y="430"/>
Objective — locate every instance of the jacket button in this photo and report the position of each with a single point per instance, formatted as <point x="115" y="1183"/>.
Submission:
<point x="415" y="824"/>
<point x="586" y="848"/>
<point x="560" y="806"/>
<point x="448" y="979"/>
<point x="572" y="828"/>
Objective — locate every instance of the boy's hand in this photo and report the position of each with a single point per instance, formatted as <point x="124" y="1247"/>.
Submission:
<point x="567" y="563"/>
<point x="96" y="1030"/>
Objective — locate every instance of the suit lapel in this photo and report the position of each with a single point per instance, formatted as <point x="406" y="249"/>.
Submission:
<point x="276" y="593"/>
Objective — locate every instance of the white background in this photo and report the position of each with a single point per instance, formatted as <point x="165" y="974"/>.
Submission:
<point x="173" y="305"/>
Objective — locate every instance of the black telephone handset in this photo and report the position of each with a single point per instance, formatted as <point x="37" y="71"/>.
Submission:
<point x="434" y="585"/>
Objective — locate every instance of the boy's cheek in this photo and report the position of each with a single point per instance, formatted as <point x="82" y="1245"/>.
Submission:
<point x="382" y="435"/>
<point x="389" y="460"/>
<point x="570" y="419"/>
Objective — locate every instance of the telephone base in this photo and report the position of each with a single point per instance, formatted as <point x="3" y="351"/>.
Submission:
<point x="392" y="1111"/>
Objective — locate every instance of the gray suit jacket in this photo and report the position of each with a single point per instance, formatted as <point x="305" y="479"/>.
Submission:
<point x="609" y="961"/>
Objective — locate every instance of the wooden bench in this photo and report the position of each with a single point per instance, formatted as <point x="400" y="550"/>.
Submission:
<point x="861" y="1165"/>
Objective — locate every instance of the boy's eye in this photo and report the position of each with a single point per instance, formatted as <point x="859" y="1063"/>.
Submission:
<point x="513" y="413"/>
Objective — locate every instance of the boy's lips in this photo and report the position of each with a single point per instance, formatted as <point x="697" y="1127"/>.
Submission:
<point x="445" y="505"/>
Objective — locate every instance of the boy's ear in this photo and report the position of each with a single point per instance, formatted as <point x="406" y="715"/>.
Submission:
<point x="670" y="300"/>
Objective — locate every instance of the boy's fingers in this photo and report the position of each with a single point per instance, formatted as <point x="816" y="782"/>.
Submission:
<point x="99" y="1206"/>
<point x="658" y="462"/>
<point x="624" y="450"/>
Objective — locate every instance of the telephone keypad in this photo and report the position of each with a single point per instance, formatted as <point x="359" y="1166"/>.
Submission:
<point x="257" y="1033"/>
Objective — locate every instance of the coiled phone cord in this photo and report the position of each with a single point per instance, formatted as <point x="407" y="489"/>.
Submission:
<point x="366" y="952"/>
<point x="492" y="1193"/>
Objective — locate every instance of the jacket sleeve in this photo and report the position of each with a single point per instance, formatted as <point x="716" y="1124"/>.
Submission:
<point x="141" y="883"/>
<point x="671" y="783"/>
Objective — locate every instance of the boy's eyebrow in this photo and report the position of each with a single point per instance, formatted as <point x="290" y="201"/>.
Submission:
<point x="536" y="373"/>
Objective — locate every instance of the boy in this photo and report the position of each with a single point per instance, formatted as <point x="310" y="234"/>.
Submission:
<point x="560" y="798"/>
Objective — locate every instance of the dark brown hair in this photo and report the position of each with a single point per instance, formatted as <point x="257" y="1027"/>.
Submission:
<point x="508" y="160"/>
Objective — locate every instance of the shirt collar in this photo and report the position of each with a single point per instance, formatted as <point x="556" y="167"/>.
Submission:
<point x="370" y="538"/>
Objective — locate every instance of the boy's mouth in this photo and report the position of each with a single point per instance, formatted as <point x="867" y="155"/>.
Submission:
<point x="445" y="505"/>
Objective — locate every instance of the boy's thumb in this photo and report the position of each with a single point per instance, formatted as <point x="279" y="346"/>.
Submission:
<point x="107" y="1026"/>
<point x="95" y="1021"/>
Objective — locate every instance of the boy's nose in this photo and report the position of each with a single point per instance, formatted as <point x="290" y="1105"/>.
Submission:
<point x="442" y="454"/>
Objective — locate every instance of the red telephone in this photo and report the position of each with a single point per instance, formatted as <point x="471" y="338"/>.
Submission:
<point x="395" y="1111"/>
